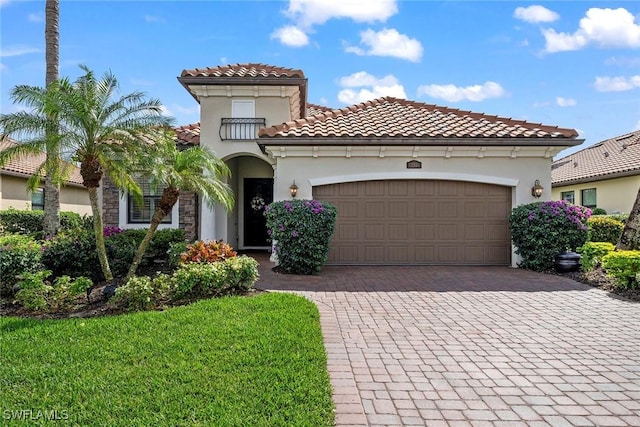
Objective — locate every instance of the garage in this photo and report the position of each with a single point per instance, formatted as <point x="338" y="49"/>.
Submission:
<point x="419" y="222"/>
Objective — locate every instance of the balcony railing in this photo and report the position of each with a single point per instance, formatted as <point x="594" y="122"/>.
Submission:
<point x="241" y="128"/>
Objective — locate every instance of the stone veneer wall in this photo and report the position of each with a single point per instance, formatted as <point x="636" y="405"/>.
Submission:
<point x="188" y="209"/>
<point x="110" y="203"/>
<point x="188" y="214"/>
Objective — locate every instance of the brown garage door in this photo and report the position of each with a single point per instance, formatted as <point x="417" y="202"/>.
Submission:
<point x="419" y="222"/>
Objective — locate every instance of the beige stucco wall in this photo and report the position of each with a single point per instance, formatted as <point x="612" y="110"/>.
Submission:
<point x="14" y="194"/>
<point x="612" y="195"/>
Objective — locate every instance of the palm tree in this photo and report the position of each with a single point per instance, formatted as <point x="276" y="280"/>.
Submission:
<point x="52" y="59"/>
<point x="106" y="136"/>
<point x="630" y="236"/>
<point x="31" y="129"/>
<point x="194" y="169"/>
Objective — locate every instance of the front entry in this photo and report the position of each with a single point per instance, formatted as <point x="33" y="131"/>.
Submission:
<point x="258" y="193"/>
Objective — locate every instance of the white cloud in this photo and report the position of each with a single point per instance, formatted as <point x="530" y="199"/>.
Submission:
<point x="565" y="102"/>
<point x="305" y="14"/>
<point x="316" y="12"/>
<point x="3" y="67"/>
<point x="616" y="84"/>
<point x="602" y="27"/>
<point x="18" y="50"/>
<point x="453" y="93"/>
<point x="35" y="17"/>
<point x="291" y="35"/>
<point x="623" y="61"/>
<point x="388" y="42"/>
<point x="370" y="86"/>
<point x="535" y="14"/>
<point x="4" y="2"/>
<point x="153" y="18"/>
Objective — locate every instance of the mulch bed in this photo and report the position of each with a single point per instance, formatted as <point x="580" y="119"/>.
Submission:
<point x="599" y="279"/>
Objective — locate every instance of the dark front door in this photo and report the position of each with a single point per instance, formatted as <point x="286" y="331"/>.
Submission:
<point x="258" y="192"/>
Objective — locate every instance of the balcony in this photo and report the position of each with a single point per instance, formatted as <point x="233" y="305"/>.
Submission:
<point x="243" y="129"/>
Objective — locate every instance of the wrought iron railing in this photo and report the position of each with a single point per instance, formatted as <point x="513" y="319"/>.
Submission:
<point x="241" y="128"/>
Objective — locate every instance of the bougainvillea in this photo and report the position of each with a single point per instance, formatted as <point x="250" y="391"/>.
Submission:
<point x="302" y="230"/>
<point x="541" y="230"/>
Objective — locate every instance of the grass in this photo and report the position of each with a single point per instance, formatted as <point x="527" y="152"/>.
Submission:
<point x="233" y="361"/>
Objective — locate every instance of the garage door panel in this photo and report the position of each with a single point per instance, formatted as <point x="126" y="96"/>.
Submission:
<point x="419" y="222"/>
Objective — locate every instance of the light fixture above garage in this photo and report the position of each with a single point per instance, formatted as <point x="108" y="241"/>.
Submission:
<point x="536" y="190"/>
<point x="293" y="189"/>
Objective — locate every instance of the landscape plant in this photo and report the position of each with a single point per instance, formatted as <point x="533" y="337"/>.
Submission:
<point x="207" y="251"/>
<point x="542" y="230"/>
<point x="604" y="229"/>
<point x="593" y="252"/>
<point x="624" y="266"/>
<point x="301" y="230"/>
<point x="38" y="294"/>
<point x="19" y="254"/>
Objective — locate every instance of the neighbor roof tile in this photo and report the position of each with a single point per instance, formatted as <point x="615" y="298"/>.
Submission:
<point x="249" y="70"/>
<point x="27" y="165"/>
<point x="618" y="156"/>
<point x="188" y="134"/>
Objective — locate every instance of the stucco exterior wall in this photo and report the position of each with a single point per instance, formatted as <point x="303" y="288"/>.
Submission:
<point x="14" y="194"/>
<point x="612" y="195"/>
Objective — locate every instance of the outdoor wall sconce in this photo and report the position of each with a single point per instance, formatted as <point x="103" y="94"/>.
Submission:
<point x="293" y="189"/>
<point x="536" y="190"/>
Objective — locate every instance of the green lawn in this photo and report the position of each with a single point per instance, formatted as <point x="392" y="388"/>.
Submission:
<point x="233" y="361"/>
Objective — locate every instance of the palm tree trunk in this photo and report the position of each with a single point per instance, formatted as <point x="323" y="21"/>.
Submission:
<point x="52" y="59"/>
<point x="99" y="233"/>
<point x="166" y="203"/>
<point x="630" y="236"/>
<point x="158" y="214"/>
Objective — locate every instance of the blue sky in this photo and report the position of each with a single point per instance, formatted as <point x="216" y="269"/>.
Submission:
<point x="573" y="64"/>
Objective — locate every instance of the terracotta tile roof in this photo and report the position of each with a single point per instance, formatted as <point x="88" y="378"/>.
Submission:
<point x="27" y="165"/>
<point x="249" y="70"/>
<point x="611" y="158"/>
<point x="188" y="134"/>
<point x="391" y="118"/>
<point x="315" y="109"/>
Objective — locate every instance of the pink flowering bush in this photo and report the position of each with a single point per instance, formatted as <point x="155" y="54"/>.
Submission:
<point x="302" y="229"/>
<point x="541" y="230"/>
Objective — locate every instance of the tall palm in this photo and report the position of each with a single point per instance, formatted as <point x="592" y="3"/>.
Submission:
<point x="52" y="59"/>
<point x="194" y="169"/>
<point x="30" y="128"/>
<point x="106" y="135"/>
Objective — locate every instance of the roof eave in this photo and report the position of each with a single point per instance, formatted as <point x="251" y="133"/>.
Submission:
<point x="28" y="175"/>
<point x="417" y="141"/>
<point x="596" y="178"/>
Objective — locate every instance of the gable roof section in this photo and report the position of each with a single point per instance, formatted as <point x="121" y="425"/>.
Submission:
<point x="391" y="121"/>
<point x="253" y="74"/>
<point x="611" y="158"/>
<point x="26" y="166"/>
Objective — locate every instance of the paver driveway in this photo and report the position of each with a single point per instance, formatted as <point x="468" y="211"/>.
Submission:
<point x="473" y="346"/>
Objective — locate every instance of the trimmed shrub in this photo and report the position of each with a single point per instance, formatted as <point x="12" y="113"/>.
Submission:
<point x="541" y="230"/>
<point x="598" y="211"/>
<point x="19" y="254"/>
<point x="301" y="230"/>
<point x="624" y="266"/>
<point x="32" y="222"/>
<point x="162" y="241"/>
<point x="73" y="255"/>
<point x="202" y="279"/>
<point x="593" y="252"/>
<point x="143" y="293"/>
<point x="212" y="251"/>
<point x="40" y="295"/>
<point x="604" y="229"/>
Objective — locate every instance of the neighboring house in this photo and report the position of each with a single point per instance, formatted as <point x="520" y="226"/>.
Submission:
<point x="414" y="183"/>
<point x="13" y="186"/>
<point x="605" y="175"/>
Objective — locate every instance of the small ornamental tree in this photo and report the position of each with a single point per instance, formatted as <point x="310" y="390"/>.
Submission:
<point x="302" y="230"/>
<point x="541" y="230"/>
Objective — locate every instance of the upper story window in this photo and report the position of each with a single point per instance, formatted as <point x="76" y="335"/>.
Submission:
<point x="37" y="200"/>
<point x="142" y="214"/>
<point x="589" y="199"/>
<point x="243" y="124"/>
<point x="568" y="196"/>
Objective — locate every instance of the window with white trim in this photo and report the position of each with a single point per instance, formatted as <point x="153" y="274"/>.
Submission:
<point x="37" y="199"/>
<point x="568" y="196"/>
<point x="142" y="213"/>
<point x="589" y="199"/>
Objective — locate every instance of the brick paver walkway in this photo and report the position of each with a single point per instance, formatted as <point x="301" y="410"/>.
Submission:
<point x="471" y="346"/>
